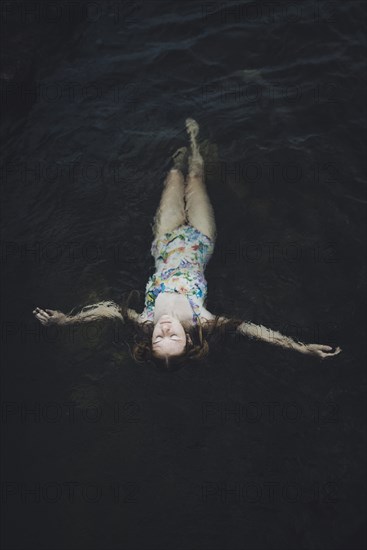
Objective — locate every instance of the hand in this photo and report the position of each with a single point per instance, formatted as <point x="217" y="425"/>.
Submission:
<point x="321" y="351"/>
<point x="50" y="316"/>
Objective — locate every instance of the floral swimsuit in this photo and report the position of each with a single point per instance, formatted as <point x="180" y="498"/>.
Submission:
<point x="180" y="260"/>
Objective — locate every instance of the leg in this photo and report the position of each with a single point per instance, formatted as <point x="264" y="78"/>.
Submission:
<point x="171" y="211"/>
<point x="199" y="209"/>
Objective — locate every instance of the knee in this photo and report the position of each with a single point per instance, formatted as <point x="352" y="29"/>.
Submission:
<point x="195" y="177"/>
<point x="176" y="174"/>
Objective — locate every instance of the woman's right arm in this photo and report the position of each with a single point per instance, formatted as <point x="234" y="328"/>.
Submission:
<point x="259" y="332"/>
<point x="94" y="312"/>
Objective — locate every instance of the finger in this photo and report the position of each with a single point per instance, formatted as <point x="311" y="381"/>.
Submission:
<point x="50" y="311"/>
<point x="41" y="319"/>
<point x="43" y="312"/>
<point x="325" y="348"/>
<point x="336" y="352"/>
<point x="42" y="316"/>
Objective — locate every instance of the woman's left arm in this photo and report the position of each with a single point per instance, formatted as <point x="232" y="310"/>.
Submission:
<point x="260" y="332"/>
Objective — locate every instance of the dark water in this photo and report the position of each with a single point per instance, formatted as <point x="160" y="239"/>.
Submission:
<point x="259" y="448"/>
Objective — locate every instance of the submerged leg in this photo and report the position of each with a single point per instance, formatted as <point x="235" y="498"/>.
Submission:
<point x="199" y="210"/>
<point x="171" y="210"/>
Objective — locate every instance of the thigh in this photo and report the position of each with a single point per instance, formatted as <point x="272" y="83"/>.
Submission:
<point x="171" y="210"/>
<point x="200" y="215"/>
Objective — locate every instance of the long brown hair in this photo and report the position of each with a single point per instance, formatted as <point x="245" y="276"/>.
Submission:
<point x="196" y="350"/>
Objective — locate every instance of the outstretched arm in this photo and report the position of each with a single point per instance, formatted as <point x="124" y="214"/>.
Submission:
<point x="94" y="312"/>
<point x="260" y="332"/>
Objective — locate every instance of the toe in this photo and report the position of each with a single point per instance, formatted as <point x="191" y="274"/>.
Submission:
<point x="192" y="126"/>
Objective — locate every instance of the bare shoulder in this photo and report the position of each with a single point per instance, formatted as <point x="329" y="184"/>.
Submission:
<point x="210" y="317"/>
<point x="133" y="315"/>
<point x="139" y="318"/>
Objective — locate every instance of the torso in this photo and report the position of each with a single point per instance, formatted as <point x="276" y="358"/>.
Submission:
<point x="179" y="282"/>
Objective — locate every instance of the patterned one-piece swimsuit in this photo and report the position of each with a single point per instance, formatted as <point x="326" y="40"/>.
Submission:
<point x="180" y="260"/>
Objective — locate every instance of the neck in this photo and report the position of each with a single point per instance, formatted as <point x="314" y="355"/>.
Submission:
<point x="173" y="304"/>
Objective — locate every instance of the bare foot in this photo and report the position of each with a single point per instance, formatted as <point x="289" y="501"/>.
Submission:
<point x="192" y="127"/>
<point x="179" y="158"/>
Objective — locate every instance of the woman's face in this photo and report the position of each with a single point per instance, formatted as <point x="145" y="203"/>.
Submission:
<point x="169" y="337"/>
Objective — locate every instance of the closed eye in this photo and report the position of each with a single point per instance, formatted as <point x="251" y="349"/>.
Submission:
<point x="174" y="337"/>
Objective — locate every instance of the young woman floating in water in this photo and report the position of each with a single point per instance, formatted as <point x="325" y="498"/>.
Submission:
<point x="175" y="327"/>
